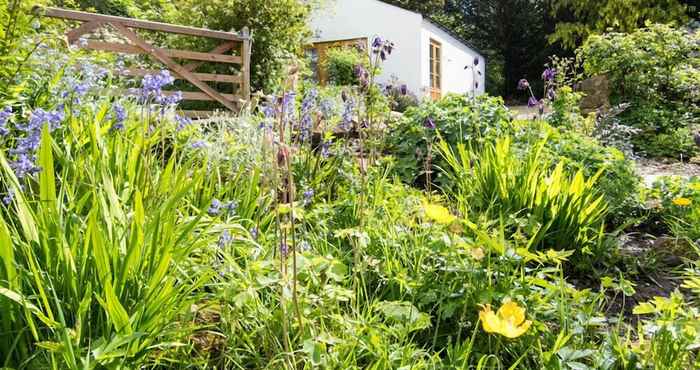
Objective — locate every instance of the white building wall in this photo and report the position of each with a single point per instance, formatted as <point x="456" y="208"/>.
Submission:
<point x="455" y="56"/>
<point x="350" y="19"/>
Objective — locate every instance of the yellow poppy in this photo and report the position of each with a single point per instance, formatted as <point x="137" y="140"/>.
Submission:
<point x="682" y="202"/>
<point x="438" y="214"/>
<point x="509" y="321"/>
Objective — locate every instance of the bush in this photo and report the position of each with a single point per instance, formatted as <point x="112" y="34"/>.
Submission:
<point x="341" y="64"/>
<point x="655" y="70"/>
<point x="455" y="118"/>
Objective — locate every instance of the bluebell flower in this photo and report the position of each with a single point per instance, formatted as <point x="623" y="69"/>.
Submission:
<point x="225" y="239"/>
<point x="119" y="115"/>
<point x="182" y="122"/>
<point x="5" y="115"/>
<point x="306" y="119"/>
<point x="346" y="122"/>
<point x="7" y="199"/>
<point x="308" y="196"/>
<point x="304" y="246"/>
<point x="214" y="208"/>
<point x="327" y="107"/>
<point x="325" y="149"/>
<point x="404" y="89"/>
<point x="27" y="145"/>
<point x="254" y="232"/>
<point x="199" y="144"/>
<point x="231" y="207"/>
<point x="284" y="249"/>
<point x="429" y="123"/>
<point x="551" y="94"/>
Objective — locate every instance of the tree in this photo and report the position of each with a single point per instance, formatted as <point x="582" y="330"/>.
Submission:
<point x="581" y="18"/>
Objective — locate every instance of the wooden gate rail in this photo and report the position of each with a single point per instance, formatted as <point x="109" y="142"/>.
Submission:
<point x="138" y="45"/>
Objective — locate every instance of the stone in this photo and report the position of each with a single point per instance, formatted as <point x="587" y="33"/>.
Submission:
<point x="596" y="93"/>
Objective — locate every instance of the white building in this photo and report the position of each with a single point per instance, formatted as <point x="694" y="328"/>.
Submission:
<point x="427" y="58"/>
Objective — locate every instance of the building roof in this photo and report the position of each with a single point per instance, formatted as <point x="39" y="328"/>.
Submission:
<point x="438" y="25"/>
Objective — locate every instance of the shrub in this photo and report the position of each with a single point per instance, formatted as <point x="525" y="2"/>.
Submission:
<point x="457" y="119"/>
<point x="655" y="70"/>
<point x="341" y="65"/>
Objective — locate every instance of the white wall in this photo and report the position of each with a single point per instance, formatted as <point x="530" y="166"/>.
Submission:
<point x="349" y="19"/>
<point x="455" y="56"/>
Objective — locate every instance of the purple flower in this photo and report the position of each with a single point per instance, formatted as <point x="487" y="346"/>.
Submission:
<point x="304" y="246"/>
<point x="327" y="107"/>
<point x="27" y="145"/>
<point x="254" y="232"/>
<point x="532" y="102"/>
<point x="199" y="144"/>
<point x="119" y="115"/>
<point x="377" y="42"/>
<point x="429" y="123"/>
<point x="7" y="199"/>
<point x="523" y="84"/>
<point x="152" y="88"/>
<point x="308" y="196"/>
<point x="182" y="122"/>
<point x="348" y="111"/>
<point x="541" y="106"/>
<point x="549" y="74"/>
<point x="284" y="249"/>
<point x="225" y="239"/>
<point x="306" y="120"/>
<point x="214" y="208"/>
<point x="551" y="95"/>
<point x="325" y="149"/>
<point x="404" y="89"/>
<point x="5" y="115"/>
<point x="231" y="207"/>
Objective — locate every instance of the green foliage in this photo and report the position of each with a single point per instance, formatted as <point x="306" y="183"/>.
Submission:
<point x="567" y="113"/>
<point x="558" y="210"/>
<point x="457" y="119"/>
<point x="619" y="183"/>
<point x="17" y="24"/>
<point x="341" y="64"/>
<point x="653" y="70"/>
<point x="279" y="30"/>
<point x="594" y="17"/>
<point x="667" y="200"/>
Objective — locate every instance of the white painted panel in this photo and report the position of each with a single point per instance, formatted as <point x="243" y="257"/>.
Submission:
<point x="455" y="56"/>
<point x="349" y="19"/>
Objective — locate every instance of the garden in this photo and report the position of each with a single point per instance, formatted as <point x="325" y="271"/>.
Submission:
<point x="319" y="228"/>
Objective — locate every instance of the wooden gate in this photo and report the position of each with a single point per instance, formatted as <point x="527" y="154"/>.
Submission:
<point x="240" y="42"/>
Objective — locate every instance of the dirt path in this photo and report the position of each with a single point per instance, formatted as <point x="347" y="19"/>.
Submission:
<point x="650" y="170"/>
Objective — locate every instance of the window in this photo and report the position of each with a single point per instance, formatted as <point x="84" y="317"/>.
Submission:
<point x="435" y="70"/>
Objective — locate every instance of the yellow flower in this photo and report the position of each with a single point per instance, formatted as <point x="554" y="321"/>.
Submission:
<point x="509" y="321"/>
<point x="438" y="214"/>
<point x="477" y="253"/>
<point x="682" y="202"/>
